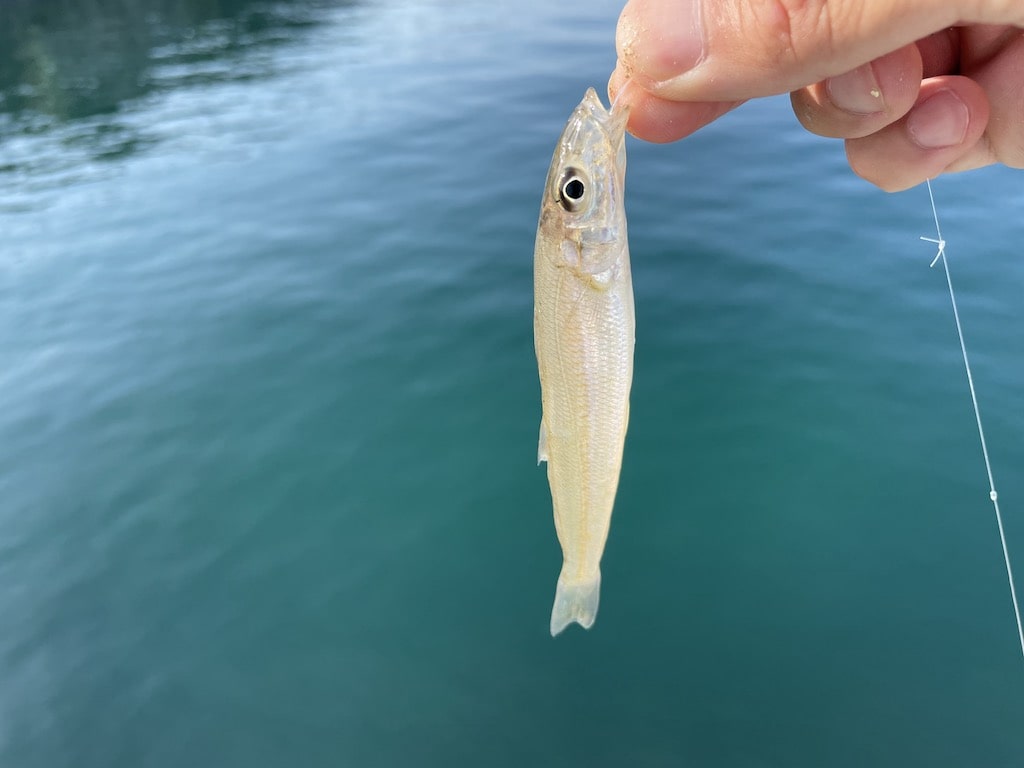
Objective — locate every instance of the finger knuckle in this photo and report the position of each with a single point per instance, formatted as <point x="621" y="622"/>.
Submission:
<point x="791" y="32"/>
<point x="995" y="11"/>
<point x="1006" y="135"/>
<point x="1009" y="152"/>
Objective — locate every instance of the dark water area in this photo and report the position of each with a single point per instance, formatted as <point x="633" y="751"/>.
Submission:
<point x="66" y="61"/>
<point x="269" y="409"/>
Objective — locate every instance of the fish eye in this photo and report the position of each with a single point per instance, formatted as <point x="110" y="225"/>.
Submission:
<point x="572" y="191"/>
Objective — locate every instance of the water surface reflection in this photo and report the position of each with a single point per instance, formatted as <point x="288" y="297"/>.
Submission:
<point x="71" y="72"/>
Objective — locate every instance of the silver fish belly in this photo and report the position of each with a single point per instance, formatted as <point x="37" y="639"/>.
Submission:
<point x="584" y="331"/>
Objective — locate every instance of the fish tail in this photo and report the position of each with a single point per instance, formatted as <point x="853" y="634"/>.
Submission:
<point x="575" y="601"/>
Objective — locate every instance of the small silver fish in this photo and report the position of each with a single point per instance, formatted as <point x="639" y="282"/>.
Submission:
<point x="584" y="330"/>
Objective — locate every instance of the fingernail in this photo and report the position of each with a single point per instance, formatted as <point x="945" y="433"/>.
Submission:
<point x="856" y="91"/>
<point x="660" y="39"/>
<point x="938" y="121"/>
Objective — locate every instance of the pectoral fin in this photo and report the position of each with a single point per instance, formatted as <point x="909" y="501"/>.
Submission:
<point x="542" y="443"/>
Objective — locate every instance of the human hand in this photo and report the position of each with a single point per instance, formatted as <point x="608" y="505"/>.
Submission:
<point x="916" y="87"/>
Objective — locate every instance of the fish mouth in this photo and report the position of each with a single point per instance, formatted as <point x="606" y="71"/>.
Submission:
<point x="612" y="120"/>
<point x="593" y="133"/>
<point x="590" y="116"/>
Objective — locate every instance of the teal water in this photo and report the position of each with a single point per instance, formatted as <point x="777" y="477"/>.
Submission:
<point x="268" y="493"/>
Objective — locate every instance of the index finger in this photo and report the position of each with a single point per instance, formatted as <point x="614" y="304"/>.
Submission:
<point x="730" y="50"/>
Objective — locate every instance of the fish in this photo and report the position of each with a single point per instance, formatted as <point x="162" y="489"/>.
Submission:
<point x="584" y="334"/>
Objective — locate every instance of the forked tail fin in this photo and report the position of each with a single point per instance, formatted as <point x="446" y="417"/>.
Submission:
<point x="575" y="601"/>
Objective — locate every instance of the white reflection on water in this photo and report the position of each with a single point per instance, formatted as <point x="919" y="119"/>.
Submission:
<point x="79" y="92"/>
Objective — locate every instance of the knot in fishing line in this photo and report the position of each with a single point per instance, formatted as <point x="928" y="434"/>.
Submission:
<point x="941" y="243"/>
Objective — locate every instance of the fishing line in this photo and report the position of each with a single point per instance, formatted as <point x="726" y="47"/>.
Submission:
<point x="977" y="413"/>
<point x="618" y="96"/>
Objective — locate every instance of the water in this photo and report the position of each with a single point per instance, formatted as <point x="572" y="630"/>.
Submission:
<point x="270" y="409"/>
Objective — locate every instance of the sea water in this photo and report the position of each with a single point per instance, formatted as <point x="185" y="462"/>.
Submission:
<point x="269" y="405"/>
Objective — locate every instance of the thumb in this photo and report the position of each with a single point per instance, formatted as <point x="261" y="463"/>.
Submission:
<point x="728" y="50"/>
